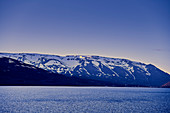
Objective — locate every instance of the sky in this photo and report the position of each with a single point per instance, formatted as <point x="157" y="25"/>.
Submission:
<point x="138" y="30"/>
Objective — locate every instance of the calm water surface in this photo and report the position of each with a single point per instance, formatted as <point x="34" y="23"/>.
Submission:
<point x="84" y="100"/>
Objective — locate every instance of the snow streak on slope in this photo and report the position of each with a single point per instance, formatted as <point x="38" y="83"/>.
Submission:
<point x="121" y="71"/>
<point x="68" y="64"/>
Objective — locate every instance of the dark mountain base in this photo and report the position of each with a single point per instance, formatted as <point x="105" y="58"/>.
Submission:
<point x="167" y="85"/>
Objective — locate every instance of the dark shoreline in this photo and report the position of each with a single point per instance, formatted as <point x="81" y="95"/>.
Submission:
<point x="84" y="86"/>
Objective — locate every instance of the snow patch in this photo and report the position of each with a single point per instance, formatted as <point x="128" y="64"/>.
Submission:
<point x="10" y="61"/>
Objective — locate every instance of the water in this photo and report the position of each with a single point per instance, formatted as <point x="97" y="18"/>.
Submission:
<point x="84" y="100"/>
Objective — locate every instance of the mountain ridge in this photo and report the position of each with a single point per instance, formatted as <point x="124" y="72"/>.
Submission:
<point x="115" y="70"/>
<point x="48" y="54"/>
<point x="16" y="73"/>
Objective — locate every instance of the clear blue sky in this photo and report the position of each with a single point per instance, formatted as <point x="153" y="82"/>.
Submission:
<point x="134" y="29"/>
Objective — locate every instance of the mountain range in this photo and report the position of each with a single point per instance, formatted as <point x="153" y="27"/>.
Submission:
<point x="113" y="71"/>
<point x="16" y="73"/>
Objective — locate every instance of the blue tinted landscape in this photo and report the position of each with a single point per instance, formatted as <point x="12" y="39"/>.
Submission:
<point x="84" y="56"/>
<point x="15" y="99"/>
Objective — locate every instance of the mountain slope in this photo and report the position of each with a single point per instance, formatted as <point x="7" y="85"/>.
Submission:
<point x="167" y="85"/>
<point x="114" y="70"/>
<point x="13" y="72"/>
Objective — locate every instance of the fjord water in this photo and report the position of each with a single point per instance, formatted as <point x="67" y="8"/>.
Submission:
<point x="15" y="99"/>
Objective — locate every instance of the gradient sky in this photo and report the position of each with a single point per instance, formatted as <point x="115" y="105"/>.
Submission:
<point x="134" y="29"/>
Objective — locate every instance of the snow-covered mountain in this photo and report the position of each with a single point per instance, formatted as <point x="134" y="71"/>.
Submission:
<point x="115" y="70"/>
<point x="17" y="73"/>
